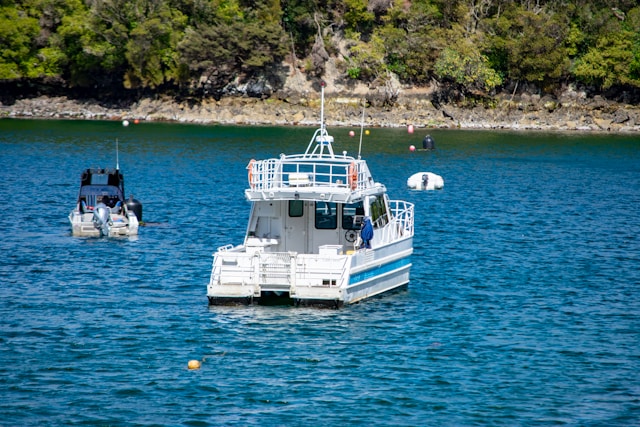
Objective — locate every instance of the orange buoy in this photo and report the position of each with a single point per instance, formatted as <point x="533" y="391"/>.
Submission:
<point x="194" y="364"/>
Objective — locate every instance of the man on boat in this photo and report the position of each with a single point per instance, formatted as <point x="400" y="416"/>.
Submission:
<point x="366" y="233"/>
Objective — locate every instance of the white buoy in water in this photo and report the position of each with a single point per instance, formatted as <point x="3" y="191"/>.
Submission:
<point x="125" y="123"/>
<point x="425" y="181"/>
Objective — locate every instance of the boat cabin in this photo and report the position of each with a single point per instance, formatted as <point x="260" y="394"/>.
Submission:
<point x="100" y="185"/>
<point x="310" y="226"/>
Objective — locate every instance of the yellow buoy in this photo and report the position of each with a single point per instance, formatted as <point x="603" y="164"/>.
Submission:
<point x="194" y="364"/>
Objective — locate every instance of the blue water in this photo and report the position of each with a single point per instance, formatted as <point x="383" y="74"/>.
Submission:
<point x="523" y="307"/>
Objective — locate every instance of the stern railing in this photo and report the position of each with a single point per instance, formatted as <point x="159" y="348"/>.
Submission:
<point x="278" y="268"/>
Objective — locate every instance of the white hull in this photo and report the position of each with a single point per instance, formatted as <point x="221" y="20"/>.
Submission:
<point x="83" y="225"/>
<point x="425" y="181"/>
<point x="333" y="278"/>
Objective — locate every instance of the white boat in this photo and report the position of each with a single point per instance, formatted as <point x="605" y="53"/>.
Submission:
<point x="101" y="209"/>
<point x="304" y="240"/>
<point x="425" y="181"/>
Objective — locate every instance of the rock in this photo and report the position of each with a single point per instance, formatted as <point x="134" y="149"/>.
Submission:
<point x="602" y="123"/>
<point x="299" y="104"/>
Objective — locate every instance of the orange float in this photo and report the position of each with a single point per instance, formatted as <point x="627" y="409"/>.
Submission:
<point x="353" y="176"/>
<point x="250" y="173"/>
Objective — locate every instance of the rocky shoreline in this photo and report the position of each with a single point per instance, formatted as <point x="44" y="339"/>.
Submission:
<point x="571" y="112"/>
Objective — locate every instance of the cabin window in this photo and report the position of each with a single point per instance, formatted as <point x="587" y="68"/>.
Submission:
<point x="99" y="179"/>
<point x="326" y="216"/>
<point x="296" y="208"/>
<point x="378" y="209"/>
<point x="352" y="214"/>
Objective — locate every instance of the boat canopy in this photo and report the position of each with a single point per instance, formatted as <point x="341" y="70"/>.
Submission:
<point x="96" y="183"/>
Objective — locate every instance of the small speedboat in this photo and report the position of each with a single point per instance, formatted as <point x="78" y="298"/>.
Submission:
<point x="321" y="232"/>
<point x="101" y="209"/>
<point x="425" y="181"/>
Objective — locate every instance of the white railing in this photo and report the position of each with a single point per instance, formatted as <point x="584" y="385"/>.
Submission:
<point x="295" y="171"/>
<point x="401" y="223"/>
<point x="278" y="268"/>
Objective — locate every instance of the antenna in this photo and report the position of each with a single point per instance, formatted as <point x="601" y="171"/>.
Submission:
<point x="117" y="158"/>
<point x="322" y="108"/>
<point x="361" y="128"/>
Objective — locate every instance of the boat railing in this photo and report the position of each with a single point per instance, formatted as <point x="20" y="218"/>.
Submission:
<point x="401" y="223"/>
<point x="278" y="268"/>
<point x="297" y="171"/>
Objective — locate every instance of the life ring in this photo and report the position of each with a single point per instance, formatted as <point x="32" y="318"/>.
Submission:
<point x="353" y="176"/>
<point x="250" y="173"/>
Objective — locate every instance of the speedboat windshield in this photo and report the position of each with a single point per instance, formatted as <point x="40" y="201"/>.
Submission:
<point x="109" y="194"/>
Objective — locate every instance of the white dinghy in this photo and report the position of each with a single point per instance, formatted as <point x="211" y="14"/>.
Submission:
<point x="425" y="181"/>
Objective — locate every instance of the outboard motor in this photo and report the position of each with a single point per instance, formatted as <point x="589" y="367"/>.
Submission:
<point x="425" y="181"/>
<point x="134" y="206"/>
<point x="101" y="218"/>
<point x="428" y="143"/>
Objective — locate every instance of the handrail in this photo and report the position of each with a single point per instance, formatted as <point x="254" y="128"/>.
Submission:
<point x="293" y="171"/>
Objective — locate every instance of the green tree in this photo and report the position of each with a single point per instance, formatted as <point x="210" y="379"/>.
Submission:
<point x="297" y="21"/>
<point x="366" y="59"/>
<point x="358" y="19"/>
<point x="18" y="52"/>
<point x="529" y="46"/>
<point x="615" y="59"/>
<point x="412" y="39"/>
<point x="151" y="48"/>
<point x="217" y="51"/>
<point x="466" y="66"/>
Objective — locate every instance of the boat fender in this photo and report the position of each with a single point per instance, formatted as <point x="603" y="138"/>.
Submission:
<point x="353" y="176"/>
<point x="134" y="206"/>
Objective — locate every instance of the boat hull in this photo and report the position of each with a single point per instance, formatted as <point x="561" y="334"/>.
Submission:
<point x="327" y="279"/>
<point x="321" y="231"/>
<point x="83" y="225"/>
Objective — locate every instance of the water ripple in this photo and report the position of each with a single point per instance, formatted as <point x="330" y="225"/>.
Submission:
<point x="522" y="308"/>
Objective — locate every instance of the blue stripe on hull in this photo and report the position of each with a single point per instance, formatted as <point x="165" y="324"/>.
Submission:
<point x="378" y="271"/>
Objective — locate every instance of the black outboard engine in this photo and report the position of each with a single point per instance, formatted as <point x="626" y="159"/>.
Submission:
<point x="134" y="206"/>
<point x="425" y="181"/>
<point x="428" y="143"/>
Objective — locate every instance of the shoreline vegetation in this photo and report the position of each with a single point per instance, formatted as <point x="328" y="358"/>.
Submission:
<point x="571" y="112"/>
<point x="493" y="64"/>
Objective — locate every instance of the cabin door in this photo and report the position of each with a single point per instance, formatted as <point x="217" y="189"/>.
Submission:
<point x="324" y="225"/>
<point x="296" y="225"/>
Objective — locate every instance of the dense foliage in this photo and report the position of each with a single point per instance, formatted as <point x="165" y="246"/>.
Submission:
<point x="199" y="46"/>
